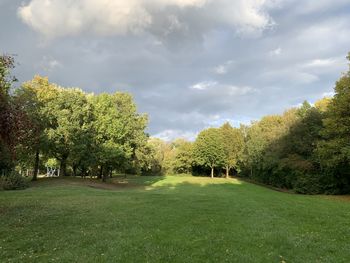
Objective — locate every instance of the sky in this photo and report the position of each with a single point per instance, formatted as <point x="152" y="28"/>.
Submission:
<point x="190" y="64"/>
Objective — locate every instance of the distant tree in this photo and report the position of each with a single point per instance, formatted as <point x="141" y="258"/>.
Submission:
<point x="147" y="162"/>
<point x="261" y="147"/>
<point x="183" y="157"/>
<point x="209" y="149"/>
<point x="161" y="159"/>
<point x="233" y="144"/>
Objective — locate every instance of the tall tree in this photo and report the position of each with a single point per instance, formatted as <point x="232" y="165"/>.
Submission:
<point x="119" y="131"/>
<point x="28" y="97"/>
<point x="13" y="121"/>
<point x="233" y="144"/>
<point x="209" y="149"/>
<point x="70" y="118"/>
<point x="335" y="147"/>
<point x="6" y="152"/>
<point x="183" y="158"/>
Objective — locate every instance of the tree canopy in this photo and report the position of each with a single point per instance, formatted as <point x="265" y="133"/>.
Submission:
<point x="306" y="148"/>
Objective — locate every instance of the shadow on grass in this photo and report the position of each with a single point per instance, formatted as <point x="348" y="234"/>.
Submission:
<point x="134" y="182"/>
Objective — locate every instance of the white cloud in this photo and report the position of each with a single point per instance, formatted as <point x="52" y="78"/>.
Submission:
<point x="236" y="90"/>
<point x="223" y="69"/>
<point x="203" y="85"/>
<point x="48" y="64"/>
<point x="170" y="135"/>
<point x="230" y="90"/>
<point x="327" y="62"/>
<point x="55" y="18"/>
<point x="328" y="94"/>
<point x="276" y="52"/>
<point x="320" y="63"/>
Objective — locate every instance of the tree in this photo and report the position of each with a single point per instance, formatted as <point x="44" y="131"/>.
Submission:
<point x="70" y="118"/>
<point x="6" y="152"/>
<point x="334" y="149"/>
<point x="233" y="144"/>
<point x="183" y="157"/>
<point x="13" y="121"/>
<point x="152" y="157"/>
<point x="119" y="131"/>
<point x="208" y="149"/>
<point x="28" y="97"/>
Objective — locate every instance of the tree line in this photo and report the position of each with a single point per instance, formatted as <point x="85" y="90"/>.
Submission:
<point x="305" y="149"/>
<point x="44" y="124"/>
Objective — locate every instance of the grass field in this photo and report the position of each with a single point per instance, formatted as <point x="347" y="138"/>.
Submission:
<point x="170" y="219"/>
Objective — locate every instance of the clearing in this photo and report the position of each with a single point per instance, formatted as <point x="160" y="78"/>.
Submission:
<point x="170" y="219"/>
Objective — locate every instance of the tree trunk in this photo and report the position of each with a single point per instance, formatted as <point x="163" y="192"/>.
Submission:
<point x="36" y="166"/>
<point x="227" y="171"/>
<point x="212" y="172"/>
<point x="63" y="166"/>
<point x="101" y="173"/>
<point x="104" y="176"/>
<point x="74" y="170"/>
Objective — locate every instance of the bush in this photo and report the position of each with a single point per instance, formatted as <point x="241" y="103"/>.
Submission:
<point x="308" y="184"/>
<point x="13" y="181"/>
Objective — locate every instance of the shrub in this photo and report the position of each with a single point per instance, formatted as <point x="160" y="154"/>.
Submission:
<point x="308" y="184"/>
<point x="13" y="181"/>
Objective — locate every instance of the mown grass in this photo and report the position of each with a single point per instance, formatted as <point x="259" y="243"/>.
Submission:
<point x="170" y="219"/>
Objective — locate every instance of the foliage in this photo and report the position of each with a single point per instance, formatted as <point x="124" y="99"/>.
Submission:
<point x="334" y="149"/>
<point x="119" y="131"/>
<point x="233" y="147"/>
<point x="209" y="149"/>
<point x="13" y="181"/>
<point x="183" y="156"/>
<point x="84" y="132"/>
<point x="305" y="149"/>
<point x="13" y="121"/>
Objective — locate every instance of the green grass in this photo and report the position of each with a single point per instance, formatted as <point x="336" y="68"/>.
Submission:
<point x="170" y="219"/>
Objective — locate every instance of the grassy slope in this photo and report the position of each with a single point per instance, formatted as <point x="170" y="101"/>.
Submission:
<point x="171" y="219"/>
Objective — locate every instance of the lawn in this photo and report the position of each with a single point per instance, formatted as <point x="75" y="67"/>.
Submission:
<point x="170" y="219"/>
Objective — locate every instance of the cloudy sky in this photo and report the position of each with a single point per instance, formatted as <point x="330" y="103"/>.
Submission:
<point x="190" y="64"/>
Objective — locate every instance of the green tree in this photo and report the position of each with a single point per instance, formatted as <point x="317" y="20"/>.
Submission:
<point x="6" y="125"/>
<point x="70" y="118"/>
<point x="233" y="144"/>
<point x="13" y="121"/>
<point x="334" y="149"/>
<point x="209" y="149"/>
<point x="183" y="157"/>
<point x="120" y="131"/>
<point x="28" y="97"/>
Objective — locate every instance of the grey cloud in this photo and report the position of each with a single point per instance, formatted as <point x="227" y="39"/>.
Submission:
<point x="166" y="19"/>
<point x="297" y="59"/>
